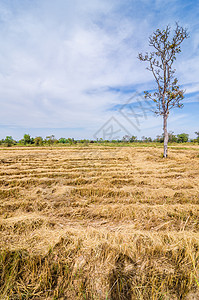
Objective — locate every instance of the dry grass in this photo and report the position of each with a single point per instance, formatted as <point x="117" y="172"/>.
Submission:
<point x="99" y="223"/>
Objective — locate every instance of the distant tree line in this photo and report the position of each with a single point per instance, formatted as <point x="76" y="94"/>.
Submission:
<point x="172" y="138"/>
<point x="51" y="140"/>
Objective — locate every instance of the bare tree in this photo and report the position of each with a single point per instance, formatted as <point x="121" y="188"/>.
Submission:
<point x="168" y="93"/>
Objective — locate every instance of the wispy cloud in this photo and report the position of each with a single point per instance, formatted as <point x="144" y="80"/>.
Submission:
<point x="63" y="63"/>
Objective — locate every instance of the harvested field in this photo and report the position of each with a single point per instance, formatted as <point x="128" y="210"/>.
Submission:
<point x="99" y="223"/>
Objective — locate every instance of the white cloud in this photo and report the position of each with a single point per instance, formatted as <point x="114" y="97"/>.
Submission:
<point x="55" y="52"/>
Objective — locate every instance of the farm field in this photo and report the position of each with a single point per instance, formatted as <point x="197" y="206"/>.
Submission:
<point x="99" y="223"/>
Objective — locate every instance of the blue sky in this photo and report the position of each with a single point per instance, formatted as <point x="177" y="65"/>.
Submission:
<point x="65" y="65"/>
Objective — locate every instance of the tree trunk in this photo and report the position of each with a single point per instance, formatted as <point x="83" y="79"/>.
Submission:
<point x="166" y="137"/>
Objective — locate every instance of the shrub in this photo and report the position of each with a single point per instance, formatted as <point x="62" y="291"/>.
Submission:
<point x="62" y="140"/>
<point x="38" y="141"/>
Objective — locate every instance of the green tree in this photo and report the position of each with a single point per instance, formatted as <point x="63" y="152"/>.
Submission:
<point x="172" y="137"/>
<point x="168" y="93"/>
<point x="9" y="141"/>
<point x="160" y="138"/>
<point x="182" y="138"/>
<point x="50" y="139"/>
<point x="133" y="139"/>
<point x="27" y="139"/>
<point x="84" y="141"/>
<point x="71" y="141"/>
<point x="197" y="139"/>
<point x="126" y="138"/>
<point x="146" y="139"/>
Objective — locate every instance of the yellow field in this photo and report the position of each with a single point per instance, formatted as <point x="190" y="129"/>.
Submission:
<point x="99" y="223"/>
